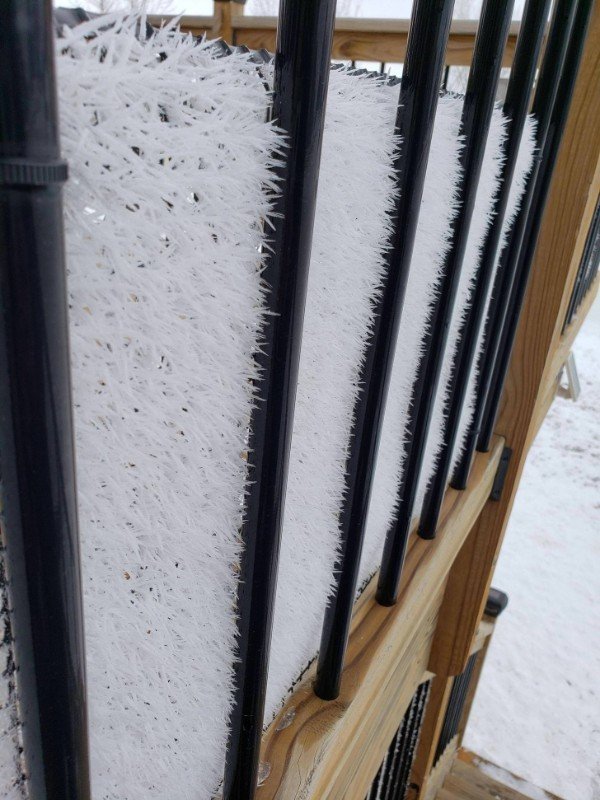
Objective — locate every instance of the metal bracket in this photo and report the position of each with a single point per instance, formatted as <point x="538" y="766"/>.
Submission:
<point x="573" y="387"/>
<point x="500" y="477"/>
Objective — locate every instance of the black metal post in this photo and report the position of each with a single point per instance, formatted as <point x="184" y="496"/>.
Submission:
<point x="302" y="65"/>
<point x="558" y="120"/>
<point x="545" y="93"/>
<point x="515" y="109"/>
<point x="419" y="89"/>
<point x="585" y="273"/>
<point x="445" y="78"/>
<point x="477" y="111"/>
<point x="36" y="433"/>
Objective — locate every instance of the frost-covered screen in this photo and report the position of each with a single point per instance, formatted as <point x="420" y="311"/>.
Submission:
<point x="167" y="216"/>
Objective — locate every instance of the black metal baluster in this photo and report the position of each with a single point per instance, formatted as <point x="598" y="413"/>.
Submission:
<point x="585" y="273"/>
<point x="421" y="77"/>
<point x="407" y="732"/>
<point x="399" y="743"/>
<point x="515" y="109"/>
<point x="445" y="78"/>
<point x="36" y="429"/>
<point x="302" y="65"/>
<point x="479" y="102"/>
<point x="558" y="120"/>
<point x="545" y="93"/>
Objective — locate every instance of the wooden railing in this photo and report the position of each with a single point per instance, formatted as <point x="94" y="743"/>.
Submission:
<point x="380" y="41"/>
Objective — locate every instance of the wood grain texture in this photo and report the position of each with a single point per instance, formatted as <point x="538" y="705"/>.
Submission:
<point x="469" y="780"/>
<point x="426" y="780"/>
<point x="572" y="200"/>
<point x="197" y="25"/>
<point x="364" y="43"/>
<point x="317" y="749"/>
<point x="440" y="772"/>
<point x="355" y="39"/>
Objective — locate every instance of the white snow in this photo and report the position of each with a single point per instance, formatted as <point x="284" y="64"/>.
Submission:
<point x="170" y="156"/>
<point x="537" y="708"/>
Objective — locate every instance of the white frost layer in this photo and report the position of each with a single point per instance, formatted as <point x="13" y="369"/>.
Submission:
<point x="12" y="786"/>
<point x="515" y="195"/>
<point x="347" y="264"/>
<point x="480" y="222"/>
<point x="536" y="708"/>
<point x="170" y="179"/>
<point x="169" y="164"/>
<point x="432" y="243"/>
<point x="431" y="246"/>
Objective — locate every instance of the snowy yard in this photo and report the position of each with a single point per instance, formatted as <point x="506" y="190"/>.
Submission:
<point x="537" y="711"/>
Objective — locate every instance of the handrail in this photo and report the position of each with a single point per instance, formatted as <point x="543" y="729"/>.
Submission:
<point x="354" y="39"/>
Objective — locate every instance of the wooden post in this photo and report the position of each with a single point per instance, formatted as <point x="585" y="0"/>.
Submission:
<point x="224" y="20"/>
<point x="573" y="195"/>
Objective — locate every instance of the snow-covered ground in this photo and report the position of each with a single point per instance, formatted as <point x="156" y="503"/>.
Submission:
<point x="537" y="710"/>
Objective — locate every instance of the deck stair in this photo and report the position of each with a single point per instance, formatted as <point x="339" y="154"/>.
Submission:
<point x="474" y="778"/>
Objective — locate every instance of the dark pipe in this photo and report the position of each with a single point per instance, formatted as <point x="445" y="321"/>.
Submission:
<point x="586" y="271"/>
<point x="475" y="128"/>
<point x="419" y="89"/>
<point x="547" y="86"/>
<point x="445" y="78"/>
<point x="302" y="64"/>
<point x="558" y="122"/>
<point x="477" y="110"/>
<point x="39" y="522"/>
<point x="515" y="109"/>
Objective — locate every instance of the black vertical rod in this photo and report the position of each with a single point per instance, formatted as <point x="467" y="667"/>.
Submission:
<point x="445" y="78"/>
<point x="302" y="65"/>
<point x="477" y="111"/>
<point x="558" y="120"/>
<point x="586" y="268"/>
<point x="36" y="429"/>
<point x="545" y="94"/>
<point x="515" y="109"/>
<point x="419" y="90"/>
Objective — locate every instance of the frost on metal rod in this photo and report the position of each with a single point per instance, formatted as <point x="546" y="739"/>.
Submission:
<point x="12" y="783"/>
<point x="430" y="247"/>
<point x="352" y="228"/>
<point x="170" y="157"/>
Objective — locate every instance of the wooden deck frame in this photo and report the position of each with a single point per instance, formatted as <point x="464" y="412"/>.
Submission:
<point x="316" y="749"/>
<point x="333" y="750"/>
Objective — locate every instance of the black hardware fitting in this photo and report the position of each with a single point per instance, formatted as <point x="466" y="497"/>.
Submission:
<point x="496" y="603"/>
<point x="500" y="478"/>
<point x="23" y="172"/>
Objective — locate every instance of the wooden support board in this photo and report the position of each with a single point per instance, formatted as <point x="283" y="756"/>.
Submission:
<point x="471" y="779"/>
<point x="318" y="749"/>
<point x="377" y="40"/>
